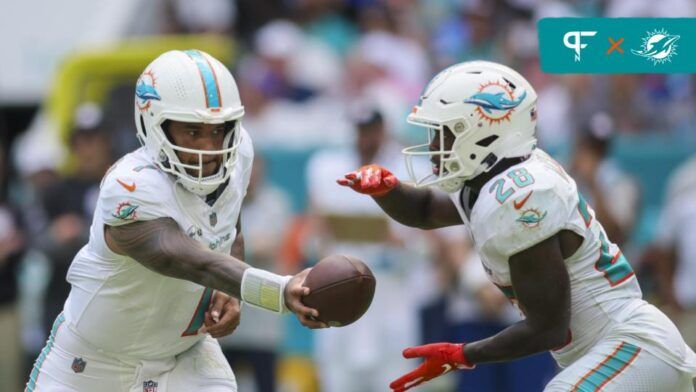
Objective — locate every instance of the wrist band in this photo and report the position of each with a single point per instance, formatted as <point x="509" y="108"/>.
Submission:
<point x="264" y="289"/>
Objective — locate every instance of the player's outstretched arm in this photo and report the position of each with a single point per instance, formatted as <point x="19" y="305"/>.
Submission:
<point x="424" y="208"/>
<point x="542" y="288"/>
<point x="161" y="246"/>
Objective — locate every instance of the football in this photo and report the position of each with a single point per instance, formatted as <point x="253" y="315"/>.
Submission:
<point x="341" y="289"/>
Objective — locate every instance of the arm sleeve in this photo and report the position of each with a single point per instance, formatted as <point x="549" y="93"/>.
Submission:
<point x="544" y="214"/>
<point x="133" y="197"/>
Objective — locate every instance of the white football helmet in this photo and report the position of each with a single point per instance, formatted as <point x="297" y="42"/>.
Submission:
<point x="491" y="111"/>
<point x="188" y="86"/>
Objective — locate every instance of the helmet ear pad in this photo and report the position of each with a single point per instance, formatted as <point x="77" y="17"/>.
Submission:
<point x="467" y="155"/>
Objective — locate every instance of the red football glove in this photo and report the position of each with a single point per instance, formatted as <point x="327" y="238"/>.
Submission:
<point x="440" y="358"/>
<point x="373" y="180"/>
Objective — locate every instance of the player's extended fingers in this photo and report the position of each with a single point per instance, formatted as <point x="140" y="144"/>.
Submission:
<point x="294" y="302"/>
<point x="415" y="383"/>
<point x="207" y="322"/>
<point x="301" y="309"/>
<point x="410" y="353"/>
<point x="416" y="352"/>
<point x="311" y="322"/>
<point x="410" y="385"/>
<point x="217" y="304"/>
<point x="306" y="315"/>
<point x="348" y="179"/>
<point x="228" y="323"/>
<point x="221" y="330"/>
<point x="344" y="182"/>
<point x="406" y="381"/>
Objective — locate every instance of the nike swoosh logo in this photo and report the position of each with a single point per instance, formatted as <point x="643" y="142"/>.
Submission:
<point x="519" y="205"/>
<point x="448" y="368"/>
<point x="129" y="187"/>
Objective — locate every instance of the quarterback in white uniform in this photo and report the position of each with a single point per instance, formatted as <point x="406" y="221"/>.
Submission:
<point x="538" y="240"/>
<point x="161" y="275"/>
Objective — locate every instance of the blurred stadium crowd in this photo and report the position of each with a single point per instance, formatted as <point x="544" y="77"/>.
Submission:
<point x="326" y="86"/>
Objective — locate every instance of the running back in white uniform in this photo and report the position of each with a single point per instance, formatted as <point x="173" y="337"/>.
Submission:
<point x="117" y="306"/>
<point x="534" y="200"/>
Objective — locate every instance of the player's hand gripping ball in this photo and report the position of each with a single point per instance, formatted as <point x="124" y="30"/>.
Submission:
<point x="373" y="180"/>
<point x="341" y="289"/>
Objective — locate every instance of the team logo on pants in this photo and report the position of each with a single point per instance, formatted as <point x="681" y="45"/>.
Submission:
<point x="78" y="365"/>
<point x="150" y="386"/>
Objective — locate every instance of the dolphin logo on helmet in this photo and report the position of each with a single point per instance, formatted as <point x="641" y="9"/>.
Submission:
<point x="488" y="101"/>
<point x="146" y="92"/>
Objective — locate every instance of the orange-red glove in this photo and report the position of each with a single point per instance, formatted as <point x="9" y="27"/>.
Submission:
<point x="440" y="358"/>
<point x="373" y="180"/>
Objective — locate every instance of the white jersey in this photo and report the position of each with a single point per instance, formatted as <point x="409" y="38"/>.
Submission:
<point x="532" y="201"/>
<point x="123" y="308"/>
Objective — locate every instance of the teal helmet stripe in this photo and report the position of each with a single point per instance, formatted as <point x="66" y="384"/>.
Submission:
<point x="208" y="77"/>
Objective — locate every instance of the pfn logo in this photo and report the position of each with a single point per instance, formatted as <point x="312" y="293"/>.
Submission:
<point x="576" y="43"/>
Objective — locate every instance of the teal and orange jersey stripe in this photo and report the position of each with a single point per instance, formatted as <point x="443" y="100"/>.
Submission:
<point x="608" y="369"/>
<point x="33" y="377"/>
<point x="199" y="315"/>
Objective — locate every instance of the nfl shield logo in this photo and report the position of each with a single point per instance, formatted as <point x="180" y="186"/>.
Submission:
<point x="78" y="365"/>
<point x="213" y="219"/>
<point x="149" y="386"/>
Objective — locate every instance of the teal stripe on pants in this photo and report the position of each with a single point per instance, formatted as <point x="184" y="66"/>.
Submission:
<point x="42" y="357"/>
<point x="612" y="365"/>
